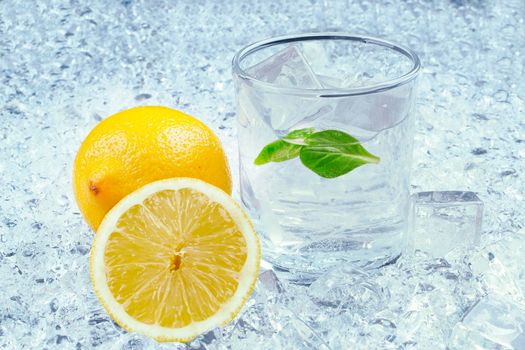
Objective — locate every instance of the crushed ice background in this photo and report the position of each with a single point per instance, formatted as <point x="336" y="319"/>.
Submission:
<point x="66" y="65"/>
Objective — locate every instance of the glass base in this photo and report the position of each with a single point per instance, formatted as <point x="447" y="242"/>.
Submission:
<point x="306" y="276"/>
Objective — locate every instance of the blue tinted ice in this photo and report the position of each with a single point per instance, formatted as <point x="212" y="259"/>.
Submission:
<point x="66" y="65"/>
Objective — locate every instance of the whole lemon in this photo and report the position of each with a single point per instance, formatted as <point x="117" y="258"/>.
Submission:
<point x="140" y="145"/>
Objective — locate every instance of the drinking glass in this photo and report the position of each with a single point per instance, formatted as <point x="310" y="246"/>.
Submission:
<point x="360" y="86"/>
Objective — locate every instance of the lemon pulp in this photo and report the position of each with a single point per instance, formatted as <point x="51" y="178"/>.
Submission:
<point x="174" y="259"/>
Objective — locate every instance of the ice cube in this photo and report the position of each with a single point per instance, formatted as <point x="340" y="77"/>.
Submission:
<point x="287" y="68"/>
<point x="493" y="323"/>
<point x="497" y="265"/>
<point x="316" y="53"/>
<point x="376" y="111"/>
<point x="364" y="115"/>
<point x="444" y="222"/>
<point x="283" y="112"/>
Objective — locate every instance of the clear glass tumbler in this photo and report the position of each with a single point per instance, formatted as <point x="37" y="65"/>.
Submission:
<point x="360" y="86"/>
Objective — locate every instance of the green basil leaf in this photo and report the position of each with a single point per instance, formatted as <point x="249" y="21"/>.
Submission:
<point x="284" y="149"/>
<point x="277" y="151"/>
<point x="332" y="153"/>
<point x="329" y="153"/>
<point x="297" y="137"/>
<point x="330" y="137"/>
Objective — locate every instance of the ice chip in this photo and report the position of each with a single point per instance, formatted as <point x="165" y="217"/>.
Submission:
<point x="347" y="287"/>
<point x="428" y="297"/>
<point x="264" y="314"/>
<point x="268" y="321"/>
<point x="493" y="323"/>
<point x="297" y="334"/>
<point x="270" y="282"/>
<point x="497" y="265"/>
<point x="444" y="222"/>
<point x="287" y="68"/>
<point x="260" y="318"/>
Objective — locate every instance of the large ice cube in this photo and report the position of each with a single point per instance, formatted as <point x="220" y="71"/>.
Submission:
<point x="371" y="112"/>
<point x="287" y="68"/>
<point x="375" y="112"/>
<point x="283" y="112"/>
<point x="493" y="323"/>
<point x="443" y="222"/>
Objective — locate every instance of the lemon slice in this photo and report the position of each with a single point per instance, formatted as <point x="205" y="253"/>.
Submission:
<point x="174" y="259"/>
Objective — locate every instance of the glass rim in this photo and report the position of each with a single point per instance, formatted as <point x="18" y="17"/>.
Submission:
<point x="327" y="92"/>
